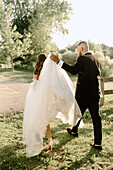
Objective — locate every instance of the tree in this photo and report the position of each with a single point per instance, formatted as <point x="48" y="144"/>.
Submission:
<point x="40" y="18"/>
<point x="74" y="46"/>
<point x="105" y="49"/>
<point x="11" y="45"/>
<point x="110" y="52"/>
<point x="100" y="51"/>
<point x="48" y="15"/>
<point x="20" y="8"/>
<point x="70" y="57"/>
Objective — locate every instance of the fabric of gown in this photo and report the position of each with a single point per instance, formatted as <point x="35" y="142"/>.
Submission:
<point x="50" y="96"/>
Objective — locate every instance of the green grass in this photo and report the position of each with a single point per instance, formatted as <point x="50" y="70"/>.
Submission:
<point x="68" y="152"/>
<point x="27" y="75"/>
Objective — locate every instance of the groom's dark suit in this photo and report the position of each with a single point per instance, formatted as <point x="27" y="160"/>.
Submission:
<point x="87" y="90"/>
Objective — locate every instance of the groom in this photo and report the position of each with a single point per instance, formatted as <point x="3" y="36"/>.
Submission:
<point x="87" y="90"/>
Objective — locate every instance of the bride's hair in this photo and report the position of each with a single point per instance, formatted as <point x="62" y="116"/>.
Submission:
<point x="39" y="64"/>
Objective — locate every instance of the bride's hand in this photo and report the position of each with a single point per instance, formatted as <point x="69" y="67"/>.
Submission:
<point x="54" y="58"/>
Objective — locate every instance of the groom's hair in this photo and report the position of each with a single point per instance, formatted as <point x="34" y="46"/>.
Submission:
<point x="84" y="44"/>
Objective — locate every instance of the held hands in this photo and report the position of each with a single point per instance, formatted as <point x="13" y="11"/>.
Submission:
<point x="54" y="58"/>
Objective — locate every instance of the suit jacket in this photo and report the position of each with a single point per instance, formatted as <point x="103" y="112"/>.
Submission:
<point x="86" y="67"/>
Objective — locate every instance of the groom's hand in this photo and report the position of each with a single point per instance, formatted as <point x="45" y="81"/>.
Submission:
<point x="54" y="58"/>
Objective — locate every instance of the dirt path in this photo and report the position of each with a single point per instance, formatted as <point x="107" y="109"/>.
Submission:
<point x="12" y="95"/>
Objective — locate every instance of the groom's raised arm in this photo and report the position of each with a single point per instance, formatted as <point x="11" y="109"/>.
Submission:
<point x="72" y="69"/>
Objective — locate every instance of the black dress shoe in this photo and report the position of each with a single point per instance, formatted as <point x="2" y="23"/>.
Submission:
<point x="72" y="133"/>
<point x="97" y="147"/>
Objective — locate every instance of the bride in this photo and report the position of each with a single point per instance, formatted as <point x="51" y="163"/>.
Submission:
<point x="50" y="95"/>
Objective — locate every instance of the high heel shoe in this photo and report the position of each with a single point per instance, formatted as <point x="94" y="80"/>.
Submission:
<point x="51" y="144"/>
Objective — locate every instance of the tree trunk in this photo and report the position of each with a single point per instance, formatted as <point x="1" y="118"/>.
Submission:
<point x="12" y="66"/>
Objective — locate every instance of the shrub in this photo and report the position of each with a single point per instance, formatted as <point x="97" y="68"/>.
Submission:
<point x="70" y="57"/>
<point x="106" y="63"/>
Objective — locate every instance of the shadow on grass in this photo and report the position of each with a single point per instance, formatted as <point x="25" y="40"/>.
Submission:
<point x="9" y="159"/>
<point x="64" y="137"/>
<point x="108" y="131"/>
<point x="59" y="127"/>
<point x="107" y="113"/>
<point x="85" y="131"/>
<point x="13" y="156"/>
<point x="79" y="163"/>
<point x="61" y="140"/>
<point x="5" y="69"/>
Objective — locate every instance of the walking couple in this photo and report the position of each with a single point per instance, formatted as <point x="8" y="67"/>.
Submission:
<point x="51" y="94"/>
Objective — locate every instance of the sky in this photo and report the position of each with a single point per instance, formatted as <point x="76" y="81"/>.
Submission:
<point x="91" y="20"/>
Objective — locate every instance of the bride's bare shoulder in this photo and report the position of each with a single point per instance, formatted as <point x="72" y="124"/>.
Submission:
<point x="35" y="76"/>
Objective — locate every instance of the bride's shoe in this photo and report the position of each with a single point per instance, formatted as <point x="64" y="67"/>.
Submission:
<point x="51" y="144"/>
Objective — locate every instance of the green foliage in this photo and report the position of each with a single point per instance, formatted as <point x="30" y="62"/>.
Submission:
<point x="70" y="57"/>
<point x="20" y="8"/>
<point x="106" y="63"/>
<point x="39" y="18"/>
<point x="48" y="16"/>
<point x="94" y="47"/>
<point x="100" y="51"/>
<point x="73" y="47"/>
<point x="21" y="23"/>
<point x="62" y="51"/>
<point x="22" y="12"/>
<point x="11" y="45"/>
<point x="68" y="152"/>
<point x="105" y="49"/>
<point x="110" y="53"/>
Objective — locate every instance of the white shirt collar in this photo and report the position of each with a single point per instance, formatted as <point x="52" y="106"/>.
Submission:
<point x="86" y="52"/>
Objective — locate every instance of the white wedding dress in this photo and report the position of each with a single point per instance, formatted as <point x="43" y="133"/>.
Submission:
<point x="50" y="96"/>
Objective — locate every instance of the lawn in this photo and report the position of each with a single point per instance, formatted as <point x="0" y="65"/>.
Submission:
<point x="22" y="74"/>
<point x="68" y="152"/>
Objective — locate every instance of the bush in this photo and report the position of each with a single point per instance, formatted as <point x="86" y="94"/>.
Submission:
<point x="70" y="57"/>
<point x="21" y="66"/>
<point x="62" y="51"/>
<point x="106" y="63"/>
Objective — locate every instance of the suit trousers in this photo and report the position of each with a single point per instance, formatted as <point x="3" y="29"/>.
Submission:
<point x="96" y="118"/>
